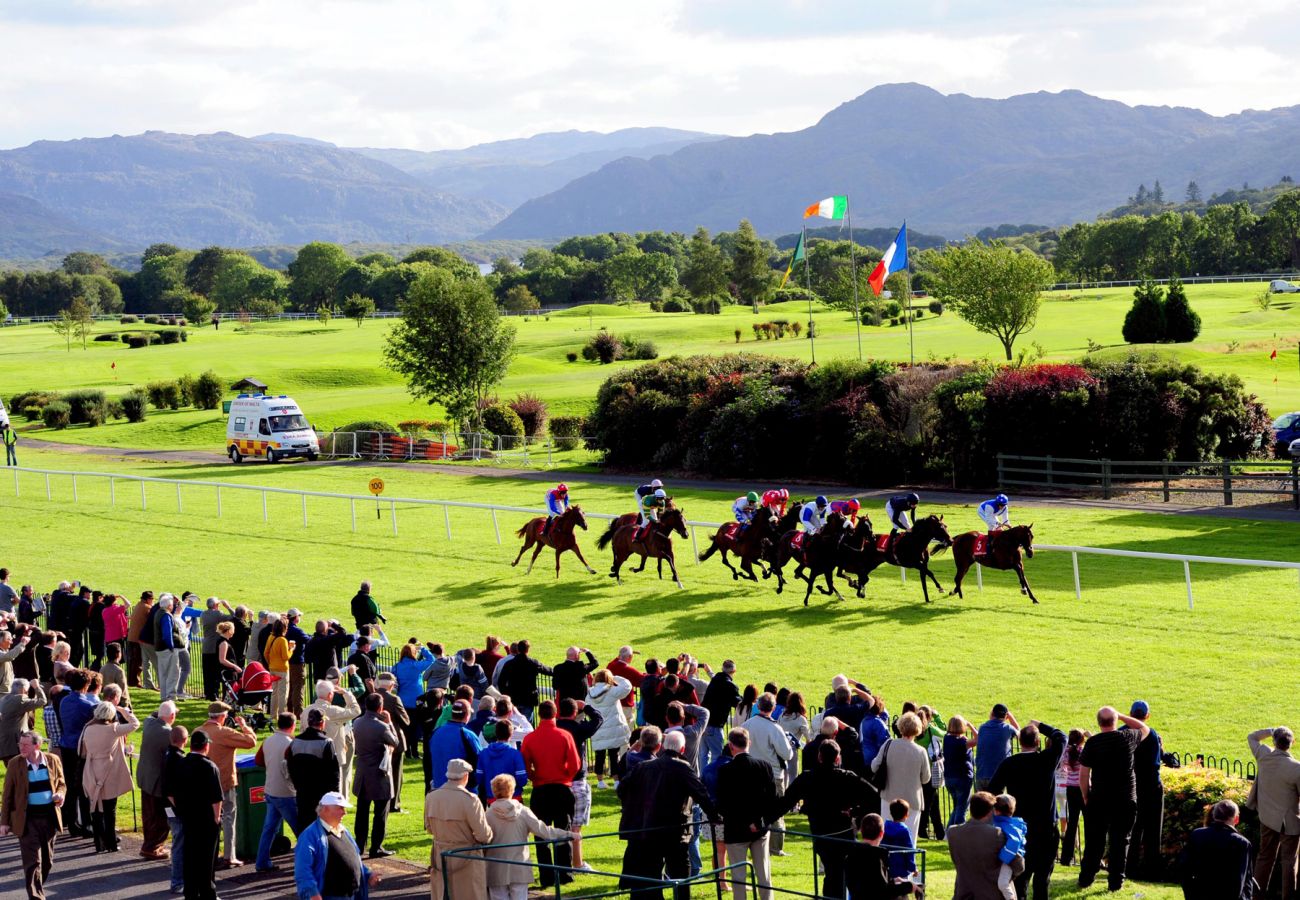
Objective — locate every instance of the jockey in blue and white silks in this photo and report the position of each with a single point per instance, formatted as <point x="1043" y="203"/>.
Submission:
<point x="744" y="509"/>
<point x="812" y="515"/>
<point x="996" y="512"/>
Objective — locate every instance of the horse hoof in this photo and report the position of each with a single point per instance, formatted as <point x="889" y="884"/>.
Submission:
<point x="1035" y="599"/>
<point x="735" y="577"/>
<point x="590" y="570"/>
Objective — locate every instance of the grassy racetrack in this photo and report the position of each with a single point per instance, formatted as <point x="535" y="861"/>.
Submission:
<point x="335" y="371"/>
<point x="1131" y="635"/>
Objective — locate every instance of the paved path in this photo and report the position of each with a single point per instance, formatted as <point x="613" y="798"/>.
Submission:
<point x="80" y="873"/>
<point x="1277" y="512"/>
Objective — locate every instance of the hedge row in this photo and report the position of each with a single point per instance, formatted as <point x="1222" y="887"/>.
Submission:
<point x="94" y="407"/>
<point x="872" y="423"/>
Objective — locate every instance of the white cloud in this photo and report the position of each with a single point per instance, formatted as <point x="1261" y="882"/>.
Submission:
<point x="424" y="74"/>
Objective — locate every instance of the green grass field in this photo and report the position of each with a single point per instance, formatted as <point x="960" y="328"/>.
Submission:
<point x="335" y="370"/>
<point x="1206" y="673"/>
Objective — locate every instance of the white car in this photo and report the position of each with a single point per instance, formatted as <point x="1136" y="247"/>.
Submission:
<point x="1282" y="287"/>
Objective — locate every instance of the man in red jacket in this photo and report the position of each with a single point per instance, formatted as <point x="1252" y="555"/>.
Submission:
<point x="551" y="758"/>
<point x="623" y="666"/>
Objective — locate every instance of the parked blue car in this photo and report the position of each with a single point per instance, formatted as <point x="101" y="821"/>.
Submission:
<point x="1286" y="428"/>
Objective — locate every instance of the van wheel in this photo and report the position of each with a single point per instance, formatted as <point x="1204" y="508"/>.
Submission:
<point x="312" y="457"/>
<point x="270" y="456"/>
<point x="235" y="455"/>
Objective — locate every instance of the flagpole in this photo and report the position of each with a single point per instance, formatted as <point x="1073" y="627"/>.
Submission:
<point x="853" y="271"/>
<point x="911" y="341"/>
<point x="807" y="281"/>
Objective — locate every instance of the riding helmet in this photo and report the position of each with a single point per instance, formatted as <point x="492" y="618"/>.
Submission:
<point x="656" y="483"/>
<point x="660" y="495"/>
<point x="1001" y="500"/>
<point x="854" y="505"/>
<point x="913" y="499"/>
<point x="822" y="502"/>
<point x="562" y="488"/>
<point x="752" y="497"/>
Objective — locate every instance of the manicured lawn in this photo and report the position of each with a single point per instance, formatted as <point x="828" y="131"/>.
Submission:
<point x="335" y="370"/>
<point x="1205" y="672"/>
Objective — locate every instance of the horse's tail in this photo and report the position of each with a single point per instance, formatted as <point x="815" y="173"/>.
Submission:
<point x="603" y="541"/>
<point x="523" y="531"/>
<point x="713" y="546"/>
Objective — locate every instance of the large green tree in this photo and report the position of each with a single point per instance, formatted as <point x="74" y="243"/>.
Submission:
<point x="753" y="277"/>
<point x="637" y="275"/>
<point x="243" y="283"/>
<point x="706" y="271"/>
<point x="450" y="344"/>
<point x="443" y="259"/>
<point x="1182" y="323"/>
<point x="996" y="289"/>
<point x="1144" y="323"/>
<point x="315" y="274"/>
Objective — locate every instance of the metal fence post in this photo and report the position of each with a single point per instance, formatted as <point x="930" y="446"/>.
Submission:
<point x="1187" y="574"/>
<point x="264" y="517"/>
<point x="353" y="503"/>
<point x="393" y="506"/>
<point x="74" y="488"/>
<point x="979" y="576"/>
<point x="695" y="546"/>
<point x="112" y="491"/>
<point x="1074" y="561"/>
<point x="496" y="526"/>
<point x="218" y="501"/>
<point x="144" y="503"/>
<point x="179" y="508"/>
<point x="1227" y="484"/>
<point x="1105" y="479"/>
<point x="47" y="487"/>
<point x="16" y="481"/>
<point x="903" y="574"/>
<point x="304" y="510"/>
<point x="446" y="519"/>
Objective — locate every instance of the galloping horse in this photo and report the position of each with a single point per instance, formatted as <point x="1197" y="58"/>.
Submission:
<point x="748" y="545"/>
<point x="912" y="550"/>
<point x="559" y="536"/>
<point x="657" y="543"/>
<point x="1003" y="553"/>
<point x="819" y="553"/>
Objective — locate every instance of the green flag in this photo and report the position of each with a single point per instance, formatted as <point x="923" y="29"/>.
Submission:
<point x="798" y="255"/>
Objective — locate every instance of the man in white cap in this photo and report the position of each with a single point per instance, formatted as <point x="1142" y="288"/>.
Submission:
<point x="338" y="720"/>
<point x="327" y="862"/>
<point x="456" y="820"/>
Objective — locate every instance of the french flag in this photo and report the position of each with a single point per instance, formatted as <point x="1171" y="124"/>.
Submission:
<point x="894" y="260"/>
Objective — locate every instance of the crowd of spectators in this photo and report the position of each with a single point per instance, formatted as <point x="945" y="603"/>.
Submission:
<point x="695" y="758"/>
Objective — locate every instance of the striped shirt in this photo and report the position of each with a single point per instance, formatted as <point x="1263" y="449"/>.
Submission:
<point x="40" y="797"/>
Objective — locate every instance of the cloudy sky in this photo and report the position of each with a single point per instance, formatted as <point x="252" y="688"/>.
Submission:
<point x="432" y="74"/>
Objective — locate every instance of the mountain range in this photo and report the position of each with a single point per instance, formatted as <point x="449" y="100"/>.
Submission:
<point x="949" y="164"/>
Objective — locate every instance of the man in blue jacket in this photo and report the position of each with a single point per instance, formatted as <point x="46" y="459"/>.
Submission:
<point x="453" y="740"/>
<point x="500" y="758"/>
<point x="327" y="861"/>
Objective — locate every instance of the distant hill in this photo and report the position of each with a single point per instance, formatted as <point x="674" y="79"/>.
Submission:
<point x="196" y="190"/>
<point x="948" y="164"/>
<point x="510" y="172"/>
<point x="28" y="229"/>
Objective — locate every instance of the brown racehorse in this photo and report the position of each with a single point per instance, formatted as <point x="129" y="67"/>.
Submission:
<point x="1003" y="553"/>
<point x="657" y="543"/>
<point x="746" y="544"/>
<point x="817" y="553"/>
<point x="911" y="549"/>
<point x="559" y="536"/>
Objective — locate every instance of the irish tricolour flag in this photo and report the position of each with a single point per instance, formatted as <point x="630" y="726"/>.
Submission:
<point x="830" y="208"/>
<point x="894" y="260"/>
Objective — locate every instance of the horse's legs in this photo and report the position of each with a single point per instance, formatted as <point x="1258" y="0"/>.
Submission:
<point x="577" y="551"/>
<point x="962" y="568"/>
<point x="633" y="549"/>
<point x="672" y="564"/>
<point x="661" y="568"/>
<point x="528" y="542"/>
<point x="1024" y="582"/>
<point x="558" y="551"/>
<point x="735" y="576"/>
<point x="536" y="553"/>
<point x="619" y="557"/>
<point x="925" y="572"/>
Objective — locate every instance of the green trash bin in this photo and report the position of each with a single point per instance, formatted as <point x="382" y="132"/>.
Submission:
<point x="250" y="809"/>
<point x="225" y="407"/>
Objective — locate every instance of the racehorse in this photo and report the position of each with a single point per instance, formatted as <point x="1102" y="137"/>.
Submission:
<point x="911" y="549"/>
<point x="819" y="553"/>
<point x="1003" y="552"/>
<point x="657" y="543"/>
<point x="560" y="536"/>
<point x="748" y="545"/>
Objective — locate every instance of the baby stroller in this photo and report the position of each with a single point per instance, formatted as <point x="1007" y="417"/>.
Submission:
<point x="249" y="694"/>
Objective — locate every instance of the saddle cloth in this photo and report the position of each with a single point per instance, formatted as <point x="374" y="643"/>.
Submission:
<point x="882" y="543"/>
<point x="729" y="530"/>
<point x="982" y="542"/>
<point x="797" y="541"/>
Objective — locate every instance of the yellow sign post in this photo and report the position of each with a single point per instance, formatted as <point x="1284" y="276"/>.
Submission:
<point x="376" y="487"/>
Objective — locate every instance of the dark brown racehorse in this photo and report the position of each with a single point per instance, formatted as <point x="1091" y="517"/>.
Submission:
<point x="657" y="543"/>
<point x="1003" y="553"/>
<point x="912" y="550"/>
<point x="817" y="553"/>
<point x="559" y="536"/>
<point x="747" y="545"/>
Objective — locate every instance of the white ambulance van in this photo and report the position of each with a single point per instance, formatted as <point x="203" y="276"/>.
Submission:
<point x="272" y="428"/>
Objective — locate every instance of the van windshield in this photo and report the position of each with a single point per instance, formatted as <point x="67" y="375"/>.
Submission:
<point x="288" y="423"/>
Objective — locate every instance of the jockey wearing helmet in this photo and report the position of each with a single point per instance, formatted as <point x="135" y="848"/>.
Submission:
<point x="775" y="501"/>
<point x="847" y="508"/>
<point x="896" y="511"/>
<point x="557" y="502"/>
<point x="812" y="515"/>
<point x="996" y="512"/>
<point x="644" y="491"/>
<point x="744" y="509"/>
<point x="649" y="508"/>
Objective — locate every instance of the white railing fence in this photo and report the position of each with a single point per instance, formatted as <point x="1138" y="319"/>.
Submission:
<point x="113" y="480"/>
<point x="453" y="445"/>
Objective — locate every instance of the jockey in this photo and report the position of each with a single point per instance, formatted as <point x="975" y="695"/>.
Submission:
<point x="847" y="508"/>
<point x="896" y="511"/>
<point x="646" y="490"/>
<point x="744" y="509"/>
<point x="996" y="512"/>
<point x="649" y="508"/>
<point x="812" y="515"/>
<point x="775" y="500"/>
<point x="557" y="502"/>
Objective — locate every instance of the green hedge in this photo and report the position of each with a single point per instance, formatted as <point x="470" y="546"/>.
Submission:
<point x="1189" y="795"/>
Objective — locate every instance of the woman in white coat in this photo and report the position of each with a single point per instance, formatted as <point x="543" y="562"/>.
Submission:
<point x="612" y="737"/>
<point x="907" y="768"/>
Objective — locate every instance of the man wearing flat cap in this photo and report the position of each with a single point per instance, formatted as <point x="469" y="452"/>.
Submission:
<point x="455" y="818"/>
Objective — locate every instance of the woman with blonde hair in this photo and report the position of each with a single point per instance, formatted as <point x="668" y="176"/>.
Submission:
<point x="60" y="656"/>
<point x="278" y="651"/>
<point x="606" y="697"/>
<point x="105" y="774"/>
<point x="511" y="824"/>
<point x="907" y="769"/>
<point x="958" y="766"/>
